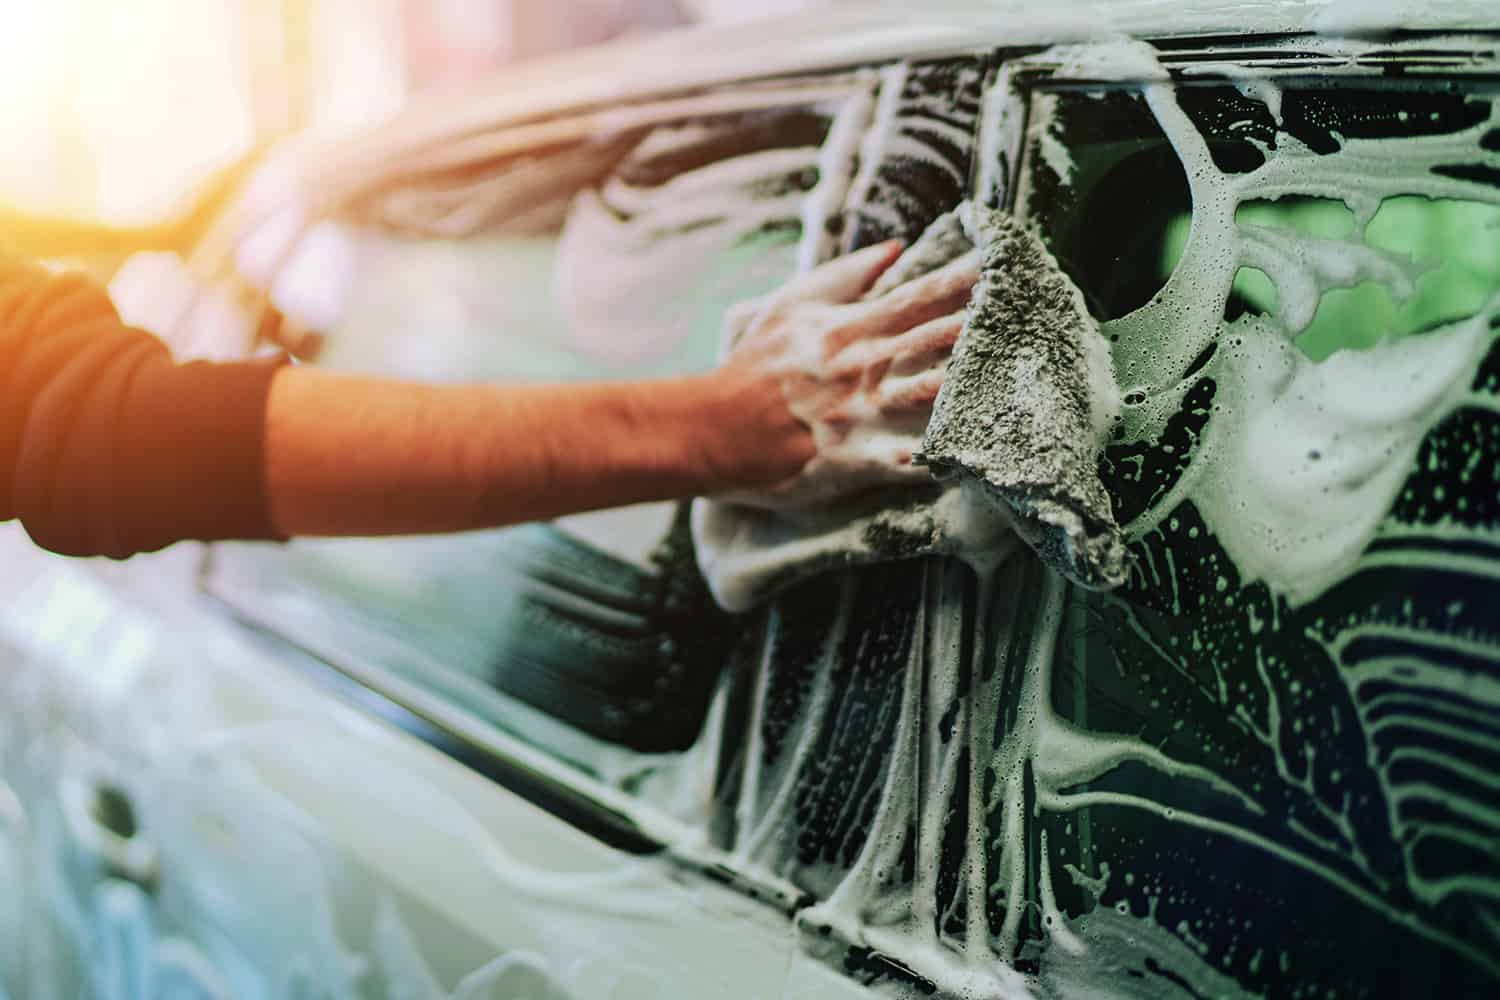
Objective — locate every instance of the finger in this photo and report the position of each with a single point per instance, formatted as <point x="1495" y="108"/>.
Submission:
<point x="297" y="338"/>
<point x="903" y="354"/>
<point x="902" y="459"/>
<point x="963" y="270"/>
<point x="815" y="400"/>
<point x="932" y="295"/>
<point x="929" y="297"/>
<point x="899" y="467"/>
<point x="912" y="394"/>
<point x="738" y="319"/>
<point x="929" y="344"/>
<point x="269" y="329"/>
<point x="843" y="279"/>
<point x="874" y="375"/>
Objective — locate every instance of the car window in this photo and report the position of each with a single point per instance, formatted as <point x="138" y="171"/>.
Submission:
<point x="594" y="637"/>
<point x="1273" y="746"/>
<point x="1283" y="724"/>
<point x="1270" y="757"/>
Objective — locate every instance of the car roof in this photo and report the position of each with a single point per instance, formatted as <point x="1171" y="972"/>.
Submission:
<point x="860" y="34"/>
<point x="848" y="35"/>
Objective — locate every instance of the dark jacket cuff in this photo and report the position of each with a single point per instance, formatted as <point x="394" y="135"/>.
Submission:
<point x="165" y="453"/>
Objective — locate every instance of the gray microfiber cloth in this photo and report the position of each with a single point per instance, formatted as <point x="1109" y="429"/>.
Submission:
<point x="1013" y="441"/>
<point x="1028" y="403"/>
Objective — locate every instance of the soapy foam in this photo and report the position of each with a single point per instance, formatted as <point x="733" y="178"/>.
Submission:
<point x="748" y="552"/>
<point x="1260" y="504"/>
<point x="1010" y="478"/>
<point x="1301" y="461"/>
<point x="1271" y="395"/>
<point x="653" y="295"/>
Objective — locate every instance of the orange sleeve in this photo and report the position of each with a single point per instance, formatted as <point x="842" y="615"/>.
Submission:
<point x="107" y="446"/>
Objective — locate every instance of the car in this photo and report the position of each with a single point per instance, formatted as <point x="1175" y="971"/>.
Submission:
<point x="545" y="762"/>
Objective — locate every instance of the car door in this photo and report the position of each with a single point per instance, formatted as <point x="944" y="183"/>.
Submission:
<point x="701" y="212"/>
<point x="1269" y="747"/>
<point x="562" y="669"/>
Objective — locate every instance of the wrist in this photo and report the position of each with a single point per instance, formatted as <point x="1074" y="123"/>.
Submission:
<point x="742" y="433"/>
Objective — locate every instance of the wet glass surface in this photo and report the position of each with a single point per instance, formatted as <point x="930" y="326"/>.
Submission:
<point x="1268" y="765"/>
<point x="1352" y="716"/>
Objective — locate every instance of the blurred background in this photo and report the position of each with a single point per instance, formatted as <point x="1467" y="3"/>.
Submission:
<point x="119" y="112"/>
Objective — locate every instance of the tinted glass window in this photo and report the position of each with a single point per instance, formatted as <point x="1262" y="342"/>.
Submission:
<point x="1271" y="758"/>
<point x="593" y="637"/>
<point x="1267" y="763"/>
<point x="1283" y="730"/>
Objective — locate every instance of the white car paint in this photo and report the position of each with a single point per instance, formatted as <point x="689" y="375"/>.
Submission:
<point x="254" y="785"/>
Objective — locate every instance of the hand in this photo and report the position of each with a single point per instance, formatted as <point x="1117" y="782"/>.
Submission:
<point x="858" y="375"/>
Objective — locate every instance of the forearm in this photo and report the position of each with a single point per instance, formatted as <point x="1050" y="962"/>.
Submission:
<point x="109" y="448"/>
<point x="357" y="456"/>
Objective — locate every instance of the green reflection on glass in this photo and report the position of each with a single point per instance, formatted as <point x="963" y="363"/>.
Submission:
<point x="1456" y="241"/>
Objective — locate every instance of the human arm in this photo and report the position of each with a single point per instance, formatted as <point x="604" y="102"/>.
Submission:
<point x="349" y="455"/>
<point x="107" y="447"/>
<point x="811" y="366"/>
